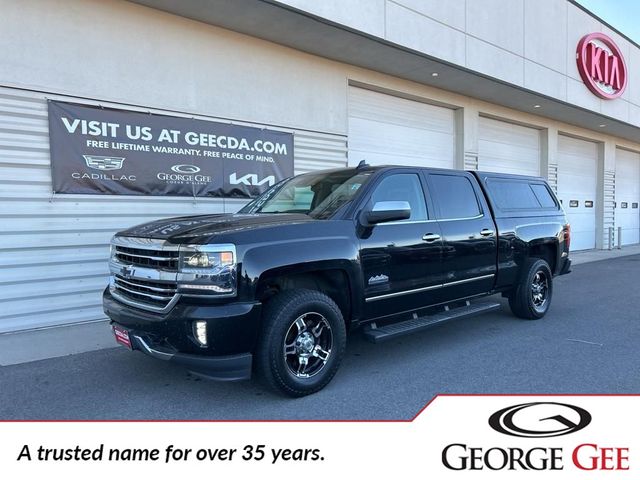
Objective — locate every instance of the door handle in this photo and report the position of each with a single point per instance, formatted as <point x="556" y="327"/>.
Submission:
<point x="430" y="237"/>
<point x="485" y="232"/>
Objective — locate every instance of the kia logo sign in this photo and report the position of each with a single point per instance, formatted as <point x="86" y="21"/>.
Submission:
<point x="539" y="420"/>
<point x="601" y="65"/>
<point x="185" y="169"/>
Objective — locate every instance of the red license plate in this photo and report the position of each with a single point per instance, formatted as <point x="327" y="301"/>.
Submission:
<point x="122" y="336"/>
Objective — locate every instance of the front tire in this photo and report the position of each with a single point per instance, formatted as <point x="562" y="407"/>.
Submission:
<point x="531" y="297"/>
<point x="302" y="342"/>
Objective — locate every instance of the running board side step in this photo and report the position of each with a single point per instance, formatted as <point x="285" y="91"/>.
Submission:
<point x="387" y="332"/>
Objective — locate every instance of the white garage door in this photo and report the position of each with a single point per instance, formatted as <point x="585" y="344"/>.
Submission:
<point x="384" y="129"/>
<point x="628" y="195"/>
<point x="508" y="148"/>
<point x="577" y="188"/>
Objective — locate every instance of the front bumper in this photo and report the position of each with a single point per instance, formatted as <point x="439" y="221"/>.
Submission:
<point x="232" y="332"/>
<point x="226" y="367"/>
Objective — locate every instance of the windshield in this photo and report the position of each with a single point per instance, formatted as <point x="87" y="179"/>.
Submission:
<point x="318" y="195"/>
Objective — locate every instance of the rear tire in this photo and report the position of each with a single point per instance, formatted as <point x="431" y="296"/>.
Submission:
<point x="531" y="297"/>
<point x="302" y="342"/>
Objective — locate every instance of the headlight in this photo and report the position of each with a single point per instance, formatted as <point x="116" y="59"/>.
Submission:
<point x="207" y="269"/>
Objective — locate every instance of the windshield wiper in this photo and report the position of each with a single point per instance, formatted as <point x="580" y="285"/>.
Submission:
<point x="305" y="212"/>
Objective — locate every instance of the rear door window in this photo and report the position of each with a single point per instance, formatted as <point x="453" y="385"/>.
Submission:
<point x="454" y="195"/>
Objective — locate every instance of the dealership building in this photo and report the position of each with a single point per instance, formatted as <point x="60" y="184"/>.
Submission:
<point x="534" y="87"/>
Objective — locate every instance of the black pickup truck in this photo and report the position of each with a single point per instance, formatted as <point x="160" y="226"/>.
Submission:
<point x="275" y="287"/>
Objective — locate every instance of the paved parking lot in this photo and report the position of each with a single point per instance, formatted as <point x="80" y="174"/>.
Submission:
<point x="588" y="343"/>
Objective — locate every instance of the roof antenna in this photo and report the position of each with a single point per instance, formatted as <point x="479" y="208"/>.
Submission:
<point x="363" y="164"/>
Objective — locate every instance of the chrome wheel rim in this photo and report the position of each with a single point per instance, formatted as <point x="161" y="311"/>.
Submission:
<point x="539" y="290"/>
<point x="307" y="345"/>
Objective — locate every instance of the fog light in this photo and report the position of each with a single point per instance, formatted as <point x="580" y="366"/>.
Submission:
<point x="200" y="331"/>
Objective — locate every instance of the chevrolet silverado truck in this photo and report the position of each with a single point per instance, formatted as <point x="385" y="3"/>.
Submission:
<point x="274" y="288"/>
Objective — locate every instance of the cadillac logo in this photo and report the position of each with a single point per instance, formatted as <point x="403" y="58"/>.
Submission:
<point x="99" y="162"/>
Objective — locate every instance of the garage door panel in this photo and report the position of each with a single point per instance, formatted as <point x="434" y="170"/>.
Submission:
<point x="628" y="196"/>
<point x="393" y="143"/>
<point x="508" y="133"/>
<point x="504" y="158"/>
<point x="392" y="138"/>
<point x="583" y="227"/>
<point x="508" y="148"/>
<point x="627" y="172"/>
<point x="577" y="182"/>
<point x="577" y="147"/>
<point x="577" y="169"/>
<point x="578" y="185"/>
<point x="384" y="129"/>
<point x="392" y="110"/>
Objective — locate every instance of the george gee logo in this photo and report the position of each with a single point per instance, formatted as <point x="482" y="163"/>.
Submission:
<point x="540" y="419"/>
<point x="185" y="174"/>
<point x="533" y="422"/>
<point x="185" y="169"/>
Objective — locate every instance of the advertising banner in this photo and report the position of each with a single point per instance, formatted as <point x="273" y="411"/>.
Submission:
<point x="117" y="152"/>
<point x="473" y="437"/>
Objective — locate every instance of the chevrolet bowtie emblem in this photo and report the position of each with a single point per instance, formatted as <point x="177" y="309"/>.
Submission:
<point x="127" y="271"/>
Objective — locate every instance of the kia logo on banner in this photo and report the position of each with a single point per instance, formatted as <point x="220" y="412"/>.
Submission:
<point x="540" y="419"/>
<point x="601" y="65"/>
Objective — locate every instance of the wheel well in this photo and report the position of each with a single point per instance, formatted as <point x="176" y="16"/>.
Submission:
<point x="547" y="252"/>
<point x="333" y="283"/>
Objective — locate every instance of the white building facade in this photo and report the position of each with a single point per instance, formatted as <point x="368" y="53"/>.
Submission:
<point x="476" y="84"/>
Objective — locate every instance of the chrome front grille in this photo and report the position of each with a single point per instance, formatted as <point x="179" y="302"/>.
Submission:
<point x="139" y="257"/>
<point x="144" y="273"/>
<point x="150" y="293"/>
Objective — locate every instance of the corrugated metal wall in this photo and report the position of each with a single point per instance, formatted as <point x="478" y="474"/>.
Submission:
<point x="54" y="249"/>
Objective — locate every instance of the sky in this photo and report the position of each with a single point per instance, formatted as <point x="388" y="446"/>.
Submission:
<point x="623" y="15"/>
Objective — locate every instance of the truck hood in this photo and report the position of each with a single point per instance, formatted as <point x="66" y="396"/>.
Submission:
<point x="189" y="229"/>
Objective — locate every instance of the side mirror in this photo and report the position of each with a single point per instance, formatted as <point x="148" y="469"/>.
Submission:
<point x="387" y="212"/>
